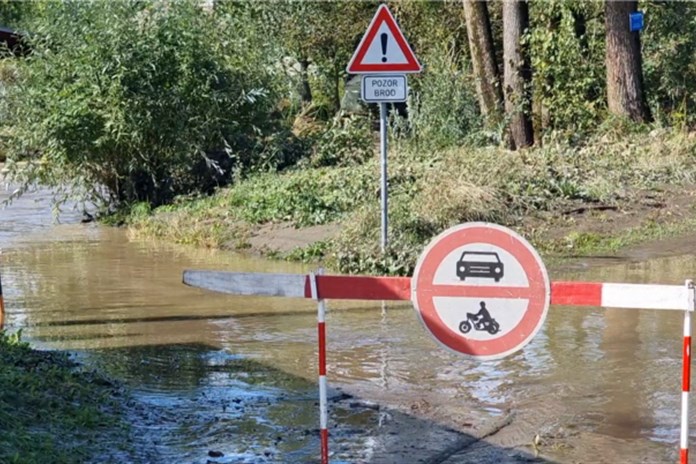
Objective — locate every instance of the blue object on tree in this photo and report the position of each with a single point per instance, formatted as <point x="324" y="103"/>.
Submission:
<point x="636" y="21"/>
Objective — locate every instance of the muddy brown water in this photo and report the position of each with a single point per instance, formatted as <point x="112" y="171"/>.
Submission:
<point x="236" y="375"/>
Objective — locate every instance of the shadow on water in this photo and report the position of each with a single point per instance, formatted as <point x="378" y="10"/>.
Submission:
<point x="196" y="404"/>
<point x="269" y="314"/>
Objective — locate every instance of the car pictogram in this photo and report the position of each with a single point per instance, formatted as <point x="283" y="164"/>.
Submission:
<point x="480" y="264"/>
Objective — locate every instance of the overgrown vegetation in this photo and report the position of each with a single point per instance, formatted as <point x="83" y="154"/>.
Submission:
<point x="53" y="412"/>
<point x="136" y="101"/>
<point x="430" y="193"/>
<point x="147" y="107"/>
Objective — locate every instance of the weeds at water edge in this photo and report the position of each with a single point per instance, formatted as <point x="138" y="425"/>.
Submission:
<point x="432" y="190"/>
<point x="51" y="411"/>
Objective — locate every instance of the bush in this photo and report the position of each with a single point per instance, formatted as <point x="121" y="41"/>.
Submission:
<point x="670" y="71"/>
<point x="303" y="197"/>
<point x="566" y="44"/>
<point x="442" y="110"/>
<point x="357" y="249"/>
<point x="345" y="142"/>
<point x="135" y="101"/>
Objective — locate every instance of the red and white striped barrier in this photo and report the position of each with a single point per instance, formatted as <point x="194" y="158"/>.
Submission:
<point x="335" y="287"/>
<point x="322" y="287"/>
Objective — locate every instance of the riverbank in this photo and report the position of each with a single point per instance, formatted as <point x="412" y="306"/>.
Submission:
<point x="617" y="189"/>
<point x="52" y="410"/>
<point x="208" y="372"/>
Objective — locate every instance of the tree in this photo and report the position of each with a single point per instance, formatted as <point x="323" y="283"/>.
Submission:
<point x="669" y="68"/>
<point x="625" y="95"/>
<point x="517" y="73"/>
<point x="482" y="49"/>
<point x="566" y="47"/>
<point x="14" y="13"/>
<point x="172" y="110"/>
<point x="309" y="36"/>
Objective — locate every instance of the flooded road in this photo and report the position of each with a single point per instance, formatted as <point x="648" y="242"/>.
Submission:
<point x="213" y="373"/>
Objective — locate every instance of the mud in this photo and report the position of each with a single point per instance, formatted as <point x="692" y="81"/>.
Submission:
<point x="668" y="204"/>
<point x="284" y="238"/>
<point x="247" y="412"/>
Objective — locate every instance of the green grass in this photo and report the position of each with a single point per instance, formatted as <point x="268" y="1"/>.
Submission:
<point x="592" y="243"/>
<point x="430" y="191"/>
<point x="50" y="410"/>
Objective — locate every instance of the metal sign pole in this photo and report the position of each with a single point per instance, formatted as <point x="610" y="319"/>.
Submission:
<point x="383" y="158"/>
<point x="385" y="53"/>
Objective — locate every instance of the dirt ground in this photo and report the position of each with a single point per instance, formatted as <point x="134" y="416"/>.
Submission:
<point x="667" y="205"/>
<point x="284" y="237"/>
<point x="418" y="431"/>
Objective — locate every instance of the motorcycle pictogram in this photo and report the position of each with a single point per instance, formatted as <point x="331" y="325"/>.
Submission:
<point x="480" y="321"/>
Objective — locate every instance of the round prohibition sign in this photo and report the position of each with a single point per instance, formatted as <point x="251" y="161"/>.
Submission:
<point x="481" y="290"/>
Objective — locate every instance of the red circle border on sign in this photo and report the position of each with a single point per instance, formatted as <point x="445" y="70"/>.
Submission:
<point x="519" y="248"/>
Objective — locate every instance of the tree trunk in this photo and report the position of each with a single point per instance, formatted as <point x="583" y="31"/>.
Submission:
<point x="625" y="95"/>
<point x="305" y="90"/>
<point x="482" y="49"/>
<point x="580" y="26"/>
<point x="517" y="73"/>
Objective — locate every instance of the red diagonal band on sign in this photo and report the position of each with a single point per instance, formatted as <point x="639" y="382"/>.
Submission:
<point x="480" y="291"/>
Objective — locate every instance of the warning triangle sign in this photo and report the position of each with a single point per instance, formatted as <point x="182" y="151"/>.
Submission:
<point x="383" y="48"/>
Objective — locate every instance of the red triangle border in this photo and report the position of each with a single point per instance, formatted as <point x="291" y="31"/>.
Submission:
<point x="356" y="66"/>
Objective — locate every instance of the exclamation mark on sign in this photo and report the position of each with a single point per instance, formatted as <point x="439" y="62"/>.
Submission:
<point x="383" y="37"/>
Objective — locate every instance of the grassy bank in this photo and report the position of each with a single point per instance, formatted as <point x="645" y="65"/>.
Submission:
<point x="614" y="189"/>
<point x="51" y="411"/>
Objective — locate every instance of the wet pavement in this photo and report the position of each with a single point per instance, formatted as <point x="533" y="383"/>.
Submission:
<point x="236" y="375"/>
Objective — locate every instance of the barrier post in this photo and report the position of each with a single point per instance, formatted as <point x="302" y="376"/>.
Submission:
<point x="2" y="301"/>
<point x="686" y="375"/>
<point x="321" y="336"/>
<point x="602" y="294"/>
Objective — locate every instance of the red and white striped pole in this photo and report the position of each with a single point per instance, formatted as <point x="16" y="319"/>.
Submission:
<point x="2" y="301"/>
<point x="686" y="375"/>
<point x="321" y="336"/>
